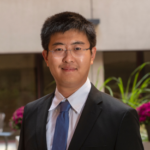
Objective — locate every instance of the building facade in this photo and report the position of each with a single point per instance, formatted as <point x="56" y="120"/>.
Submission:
<point x="123" y="42"/>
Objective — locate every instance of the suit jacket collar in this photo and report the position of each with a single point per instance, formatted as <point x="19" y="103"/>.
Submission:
<point x="41" y="122"/>
<point x="88" y="117"/>
<point x="87" y="120"/>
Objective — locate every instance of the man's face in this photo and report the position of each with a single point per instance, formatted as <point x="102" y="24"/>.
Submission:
<point x="69" y="70"/>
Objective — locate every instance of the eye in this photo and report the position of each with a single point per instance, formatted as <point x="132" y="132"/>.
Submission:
<point x="77" y="48"/>
<point x="58" y="50"/>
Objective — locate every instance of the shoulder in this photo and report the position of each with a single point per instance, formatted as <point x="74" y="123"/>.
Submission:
<point x="111" y="102"/>
<point x="108" y="102"/>
<point x="110" y="105"/>
<point x="32" y="106"/>
<point x="115" y="106"/>
<point x="115" y="112"/>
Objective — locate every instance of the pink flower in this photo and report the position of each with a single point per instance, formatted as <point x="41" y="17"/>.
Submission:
<point x="142" y="119"/>
<point x="16" y="120"/>
<point x="144" y="113"/>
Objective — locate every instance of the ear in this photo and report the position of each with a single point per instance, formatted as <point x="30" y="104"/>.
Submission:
<point x="45" y="56"/>
<point x="93" y="55"/>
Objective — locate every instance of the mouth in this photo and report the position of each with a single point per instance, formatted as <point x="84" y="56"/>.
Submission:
<point x="69" y="69"/>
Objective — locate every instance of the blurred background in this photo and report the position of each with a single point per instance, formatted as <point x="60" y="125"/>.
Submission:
<point x="123" y="43"/>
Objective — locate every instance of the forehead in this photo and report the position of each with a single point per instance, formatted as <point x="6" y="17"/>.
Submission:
<point x="69" y="37"/>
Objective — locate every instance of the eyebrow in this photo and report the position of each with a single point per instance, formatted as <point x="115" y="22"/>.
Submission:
<point x="58" y="43"/>
<point x="74" y="43"/>
<point x="78" y="42"/>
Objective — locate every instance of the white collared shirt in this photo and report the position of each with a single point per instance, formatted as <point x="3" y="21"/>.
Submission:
<point x="77" y="101"/>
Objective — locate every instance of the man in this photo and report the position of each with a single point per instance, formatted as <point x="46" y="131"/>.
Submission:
<point x="76" y="116"/>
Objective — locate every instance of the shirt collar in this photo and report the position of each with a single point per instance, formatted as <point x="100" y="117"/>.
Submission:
<point x="76" y="100"/>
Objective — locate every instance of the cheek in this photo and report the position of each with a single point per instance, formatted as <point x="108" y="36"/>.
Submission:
<point x="84" y="62"/>
<point x="54" y="65"/>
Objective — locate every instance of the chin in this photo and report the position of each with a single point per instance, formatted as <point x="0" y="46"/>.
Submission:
<point x="69" y="82"/>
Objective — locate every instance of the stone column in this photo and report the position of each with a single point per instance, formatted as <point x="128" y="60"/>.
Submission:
<point x="93" y="73"/>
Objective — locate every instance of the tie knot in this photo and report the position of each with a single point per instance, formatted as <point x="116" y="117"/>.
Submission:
<point x="64" y="106"/>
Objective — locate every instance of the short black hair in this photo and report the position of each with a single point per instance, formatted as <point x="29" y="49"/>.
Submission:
<point x="65" y="21"/>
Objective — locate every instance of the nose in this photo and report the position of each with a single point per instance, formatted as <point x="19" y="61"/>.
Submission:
<point x="68" y="57"/>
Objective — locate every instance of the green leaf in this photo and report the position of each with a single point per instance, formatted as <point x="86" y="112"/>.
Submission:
<point x="135" y="81"/>
<point x="140" y="68"/>
<point x="128" y="85"/>
<point x="106" y="82"/>
<point x="109" y="89"/>
<point x="142" y="79"/>
<point x="97" y="77"/>
<point x="121" y="87"/>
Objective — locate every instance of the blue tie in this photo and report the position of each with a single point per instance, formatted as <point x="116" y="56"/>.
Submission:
<point x="61" y="128"/>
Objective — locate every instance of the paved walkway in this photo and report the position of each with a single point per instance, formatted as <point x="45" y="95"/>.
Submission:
<point x="11" y="146"/>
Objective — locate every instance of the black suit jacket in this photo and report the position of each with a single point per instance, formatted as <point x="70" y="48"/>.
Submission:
<point x="105" y="124"/>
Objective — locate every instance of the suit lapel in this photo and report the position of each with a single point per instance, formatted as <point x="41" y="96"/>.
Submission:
<point x="41" y="122"/>
<point x="88" y="117"/>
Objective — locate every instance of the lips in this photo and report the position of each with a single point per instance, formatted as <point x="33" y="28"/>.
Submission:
<point x="69" y="69"/>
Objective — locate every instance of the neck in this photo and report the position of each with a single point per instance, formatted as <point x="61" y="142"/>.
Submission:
<point x="66" y="91"/>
